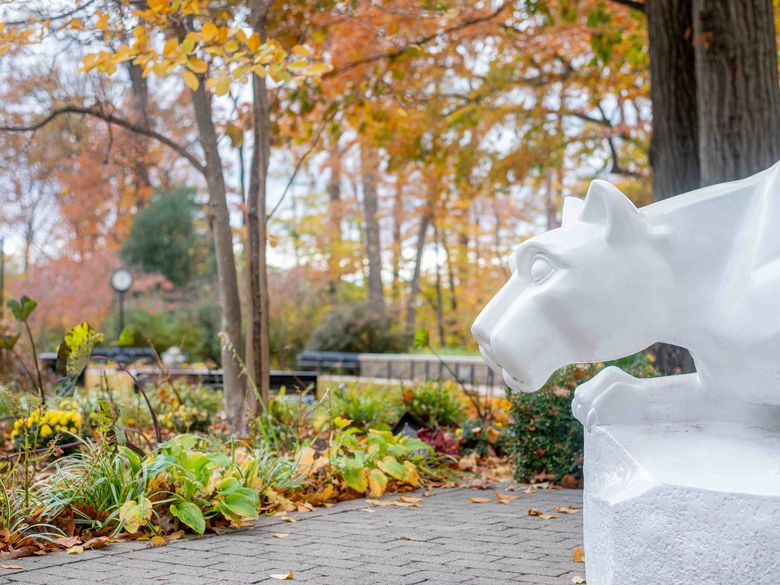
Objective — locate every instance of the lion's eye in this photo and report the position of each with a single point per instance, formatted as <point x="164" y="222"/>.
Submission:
<point x="541" y="268"/>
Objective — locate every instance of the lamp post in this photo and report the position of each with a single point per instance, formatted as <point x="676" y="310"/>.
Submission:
<point x="121" y="282"/>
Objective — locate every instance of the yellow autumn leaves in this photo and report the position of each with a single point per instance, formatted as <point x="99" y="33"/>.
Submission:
<point x="212" y="54"/>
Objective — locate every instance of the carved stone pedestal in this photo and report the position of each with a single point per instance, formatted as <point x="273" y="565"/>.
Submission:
<point x="682" y="504"/>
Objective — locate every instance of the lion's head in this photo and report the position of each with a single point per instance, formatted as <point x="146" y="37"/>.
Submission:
<point x="591" y="290"/>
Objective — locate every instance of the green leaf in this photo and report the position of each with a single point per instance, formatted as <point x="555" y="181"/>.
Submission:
<point x="355" y="478"/>
<point x="127" y="337"/>
<point x="132" y="458"/>
<point x="8" y="341"/>
<point x="392" y="468"/>
<point x="242" y="503"/>
<point x="76" y="348"/>
<point x="189" y="514"/>
<point x="23" y="308"/>
<point x="421" y="339"/>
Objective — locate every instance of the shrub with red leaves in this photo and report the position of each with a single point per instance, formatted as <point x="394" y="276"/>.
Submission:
<point x="439" y="440"/>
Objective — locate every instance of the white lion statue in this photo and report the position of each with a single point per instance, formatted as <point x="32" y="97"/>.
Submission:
<point x="700" y="270"/>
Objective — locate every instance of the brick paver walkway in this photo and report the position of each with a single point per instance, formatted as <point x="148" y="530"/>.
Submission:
<point x="450" y="540"/>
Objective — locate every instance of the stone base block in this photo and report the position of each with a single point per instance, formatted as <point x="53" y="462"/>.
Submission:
<point x="682" y="504"/>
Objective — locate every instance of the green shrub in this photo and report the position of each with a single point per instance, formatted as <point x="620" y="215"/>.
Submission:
<point x="366" y="409"/>
<point x="355" y="328"/>
<point x="545" y="436"/>
<point x="435" y="403"/>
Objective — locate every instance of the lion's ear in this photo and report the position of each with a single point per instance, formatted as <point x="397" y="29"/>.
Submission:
<point x="572" y="207"/>
<point x="606" y="205"/>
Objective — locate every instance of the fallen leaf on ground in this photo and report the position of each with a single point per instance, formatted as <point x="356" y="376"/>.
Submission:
<point x="75" y="550"/>
<point x="11" y="567"/>
<point x="158" y="541"/>
<point x="283" y="576"/>
<point x="578" y="555"/>
<point x="17" y="553"/>
<point x="577" y="580"/>
<point x="279" y="535"/>
<point x="531" y="489"/>
<point x="97" y="542"/>
<point x="542" y="515"/>
<point x="400" y="503"/>
<point x="402" y="537"/>
<point x="67" y="541"/>
<point x="409" y="499"/>
<point x="479" y="500"/>
<point x="369" y="510"/>
<point x="174" y="536"/>
<point x="505" y="498"/>
<point x="287" y="519"/>
<point x="567" y="510"/>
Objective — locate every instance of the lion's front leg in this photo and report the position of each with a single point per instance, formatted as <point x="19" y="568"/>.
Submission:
<point x="614" y="397"/>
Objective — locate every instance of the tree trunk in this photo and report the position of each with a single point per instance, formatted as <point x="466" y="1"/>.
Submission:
<point x="738" y="96"/>
<point x="257" y="349"/>
<point x="397" y="222"/>
<point x="414" y="291"/>
<point x="335" y="216"/>
<point x="439" y="295"/>
<point x="219" y="221"/>
<point x="369" y="171"/>
<point x="674" y="149"/>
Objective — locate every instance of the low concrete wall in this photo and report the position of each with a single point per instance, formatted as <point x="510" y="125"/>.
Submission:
<point x="469" y="370"/>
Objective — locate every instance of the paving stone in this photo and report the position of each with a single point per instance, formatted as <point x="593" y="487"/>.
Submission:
<point x="449" y="540"/>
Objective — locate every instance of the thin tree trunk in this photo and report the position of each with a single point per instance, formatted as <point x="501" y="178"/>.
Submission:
<point x="674" y="148"/>
<point x="335" y="216"/>
<point x="414" y="291"/>
<point x="257" y="326"/>
<point x="738" y="97"/>
<point x="397" y="222"/>
<point x="369" y="171"/>
<point x="439" y="295"/>
<point x="450" y="273"/>
<point x="219" y="221"/>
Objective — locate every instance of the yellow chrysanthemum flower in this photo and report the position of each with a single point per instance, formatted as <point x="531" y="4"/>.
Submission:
<point x="46" y="431"/>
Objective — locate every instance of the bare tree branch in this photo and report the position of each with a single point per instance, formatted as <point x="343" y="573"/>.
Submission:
<point x="301" y="160"/>
<point x="41" y="16"/>
<point x="114" y="120"/>
<point x="419" y="41"/>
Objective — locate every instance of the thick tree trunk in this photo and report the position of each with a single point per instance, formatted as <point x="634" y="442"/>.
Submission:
<point x="738" y="96"/>
<point x="414" y="290"/>
<point x="257" y="348"/>
<point x="219" y="221"/>
<point x="369" y="171"/>
<point x="674" y="149"/>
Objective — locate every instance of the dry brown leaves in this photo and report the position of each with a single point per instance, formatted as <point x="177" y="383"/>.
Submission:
<point x="578" y="555"/>
<point x="542" y="515"/>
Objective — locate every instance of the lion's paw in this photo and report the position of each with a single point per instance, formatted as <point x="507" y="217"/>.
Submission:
<point x="606" y="399"/>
